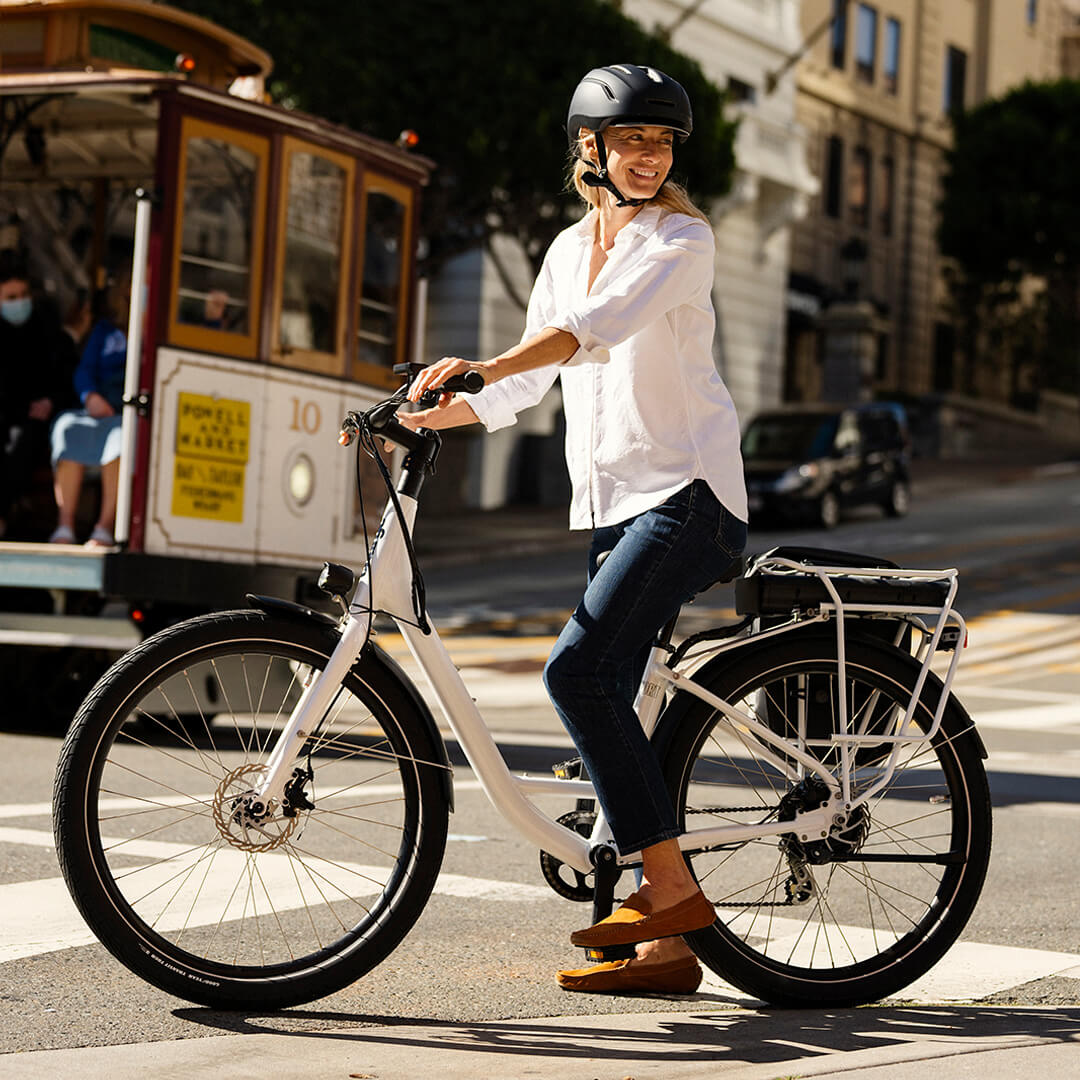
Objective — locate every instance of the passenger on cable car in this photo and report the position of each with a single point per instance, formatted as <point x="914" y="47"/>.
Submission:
<point x="90" y="436"/>
<point x="34" y="384"/>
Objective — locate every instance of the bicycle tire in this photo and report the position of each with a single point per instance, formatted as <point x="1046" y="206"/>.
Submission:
<point x="844" y="930"/>
<point x="180" y="888"/>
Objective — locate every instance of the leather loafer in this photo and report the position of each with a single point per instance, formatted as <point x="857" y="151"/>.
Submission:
<point x="636" y="922"/>
<point x="619" y="977"/>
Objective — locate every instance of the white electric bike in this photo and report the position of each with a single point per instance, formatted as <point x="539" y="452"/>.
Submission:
<point x="251" y="807"/>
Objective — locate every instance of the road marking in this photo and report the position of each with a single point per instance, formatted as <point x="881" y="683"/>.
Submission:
<point x="40" y="916"/>
<point x="1036" y="718"/>
<point x="969" y="971"/>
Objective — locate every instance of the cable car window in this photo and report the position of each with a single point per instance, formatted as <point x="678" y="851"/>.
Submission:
<point x="315" y="220"/>
<point x="380" y="334"/>
<point x="219" y="239"/>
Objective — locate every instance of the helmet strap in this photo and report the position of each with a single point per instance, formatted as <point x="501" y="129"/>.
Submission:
<point x="600" y="178"/>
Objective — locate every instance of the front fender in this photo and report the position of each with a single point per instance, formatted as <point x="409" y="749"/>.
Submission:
<point x="386" y="666"/>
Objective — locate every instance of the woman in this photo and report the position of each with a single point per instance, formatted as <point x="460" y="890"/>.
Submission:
<point x="622" y="312"/>
<point x="91" y="435"/>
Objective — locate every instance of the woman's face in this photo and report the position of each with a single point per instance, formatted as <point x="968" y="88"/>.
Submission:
<point x="639" y="158"/>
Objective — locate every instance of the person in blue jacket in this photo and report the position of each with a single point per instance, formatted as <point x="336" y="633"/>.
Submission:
<point x="91" y="435"/>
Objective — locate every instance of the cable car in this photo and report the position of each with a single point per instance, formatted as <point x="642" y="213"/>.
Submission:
<point x="273" y="287"/>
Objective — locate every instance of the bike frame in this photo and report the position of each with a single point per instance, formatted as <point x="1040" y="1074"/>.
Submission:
<point x="386" y="586"/>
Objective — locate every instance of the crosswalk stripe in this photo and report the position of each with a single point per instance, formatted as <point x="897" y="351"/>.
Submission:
<point x="40" y="916"/>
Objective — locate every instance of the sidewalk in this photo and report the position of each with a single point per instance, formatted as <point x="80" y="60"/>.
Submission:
<point x="954" y="1043"/>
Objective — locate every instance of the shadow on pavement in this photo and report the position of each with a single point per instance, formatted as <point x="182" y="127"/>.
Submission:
<point x="725" y="1037"/>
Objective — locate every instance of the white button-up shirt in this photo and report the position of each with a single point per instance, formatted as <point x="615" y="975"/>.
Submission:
<point x="646" y="410"/>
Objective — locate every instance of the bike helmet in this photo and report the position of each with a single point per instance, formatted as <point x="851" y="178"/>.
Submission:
<point x="622" y="95"/>
<point x="629" y="94"/>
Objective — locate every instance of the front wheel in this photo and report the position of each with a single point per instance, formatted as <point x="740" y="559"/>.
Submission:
<point x="863" y="912"/>
<point x="187" y="888"/>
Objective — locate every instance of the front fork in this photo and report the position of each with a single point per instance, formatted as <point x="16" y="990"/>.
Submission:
<point x="321" y="688"/>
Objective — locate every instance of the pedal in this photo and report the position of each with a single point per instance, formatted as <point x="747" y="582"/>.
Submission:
<point x="611" y="952"/>
<point x="569" y="770"/>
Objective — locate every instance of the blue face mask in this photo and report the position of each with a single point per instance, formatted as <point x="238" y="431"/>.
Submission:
<point x="16" y="312"/>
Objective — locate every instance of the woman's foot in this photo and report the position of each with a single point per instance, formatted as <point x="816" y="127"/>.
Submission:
<point x="637" y="920"/>
<point x="62" y="534"/>
<point x="665" y="966"/>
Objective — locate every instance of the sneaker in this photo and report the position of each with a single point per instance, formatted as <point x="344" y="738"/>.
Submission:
<point x="101" y="537"/>
<point x="62" y="534"/>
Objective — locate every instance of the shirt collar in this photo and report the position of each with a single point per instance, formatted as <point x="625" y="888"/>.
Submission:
<point x="642" y="223"/>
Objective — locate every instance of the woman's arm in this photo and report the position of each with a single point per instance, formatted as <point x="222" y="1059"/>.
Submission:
<point x="549" y="346"/>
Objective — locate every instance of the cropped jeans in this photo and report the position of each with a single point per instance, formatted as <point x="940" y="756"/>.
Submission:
<point x="658" y="560"/>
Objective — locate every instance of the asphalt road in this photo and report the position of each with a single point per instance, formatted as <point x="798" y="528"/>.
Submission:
<point x="491" y="957"/>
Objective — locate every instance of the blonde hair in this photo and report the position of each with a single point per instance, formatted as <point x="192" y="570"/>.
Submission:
<point x="671" y="196"/>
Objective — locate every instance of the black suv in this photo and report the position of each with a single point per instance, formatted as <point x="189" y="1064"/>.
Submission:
<point x="810" y="462"/>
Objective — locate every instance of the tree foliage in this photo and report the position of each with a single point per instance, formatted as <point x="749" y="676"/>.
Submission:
<point x="1010" y="220"/>
<point x="486" y="84"/>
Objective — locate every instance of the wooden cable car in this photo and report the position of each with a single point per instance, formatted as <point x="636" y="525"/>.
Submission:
<point x="273" y="288"/>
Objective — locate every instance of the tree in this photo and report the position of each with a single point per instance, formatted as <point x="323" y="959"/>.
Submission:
<point x="486" y="84"/>
<point x="1010" y="220"/>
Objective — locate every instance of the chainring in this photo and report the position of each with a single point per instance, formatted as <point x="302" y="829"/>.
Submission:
<point x="581" y="821"/>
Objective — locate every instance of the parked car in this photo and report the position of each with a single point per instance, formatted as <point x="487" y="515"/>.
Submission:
<point x="811" y="462"/>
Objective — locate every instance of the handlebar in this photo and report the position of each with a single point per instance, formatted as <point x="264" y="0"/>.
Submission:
<point x="381" y="418"/>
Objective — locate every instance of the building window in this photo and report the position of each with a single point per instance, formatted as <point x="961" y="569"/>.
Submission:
<point x="955" y="77"/>
<point x="1032" y="11"/>
<point x="859" y="187"/>
<point x="739" y="92"/>
<point x="839" y="33"/>
<point x="865" y="42"/>
<point x="886" y="183"/>
<point x="892" y="56"/>
<point x="834" y="174"/>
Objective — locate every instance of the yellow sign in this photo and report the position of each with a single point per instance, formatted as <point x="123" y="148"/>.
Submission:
<point x="212" y="440"/>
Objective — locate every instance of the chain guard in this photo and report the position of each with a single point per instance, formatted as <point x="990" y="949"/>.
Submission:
<point x="554" y="870"/>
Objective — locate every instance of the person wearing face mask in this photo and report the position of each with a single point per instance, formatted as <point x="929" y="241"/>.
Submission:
<point x="31" y="385"/>
<point x="91" y="435"/>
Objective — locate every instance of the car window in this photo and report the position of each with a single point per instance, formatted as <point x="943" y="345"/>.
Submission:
<point x="789" y="438"/>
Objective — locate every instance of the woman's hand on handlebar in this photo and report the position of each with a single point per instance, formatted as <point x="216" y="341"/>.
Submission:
<point x="454" y="414"/>
<point x="438" y="373"/>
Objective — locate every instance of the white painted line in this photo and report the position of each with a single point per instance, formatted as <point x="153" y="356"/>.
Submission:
<point x="40" y="917"/>
<point x="1035" y="718"/>
<point x="969" y="971"/>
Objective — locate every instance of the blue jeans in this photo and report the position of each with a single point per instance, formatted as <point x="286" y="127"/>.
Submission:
<point x="658" y="560"/>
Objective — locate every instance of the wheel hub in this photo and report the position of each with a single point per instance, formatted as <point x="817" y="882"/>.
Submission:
<point x="242" y="819"/>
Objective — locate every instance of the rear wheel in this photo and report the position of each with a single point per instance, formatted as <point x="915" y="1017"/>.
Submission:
<point x="175" y="875"/>
<point x="862" y="913"/>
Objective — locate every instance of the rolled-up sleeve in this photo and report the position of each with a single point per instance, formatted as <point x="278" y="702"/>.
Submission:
<point x="670" y="271"/>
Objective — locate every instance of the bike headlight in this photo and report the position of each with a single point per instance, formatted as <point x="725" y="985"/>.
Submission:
<point x="797" y="478"/>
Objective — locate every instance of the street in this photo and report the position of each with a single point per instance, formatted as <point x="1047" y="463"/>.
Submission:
<point x="493" y="934"/>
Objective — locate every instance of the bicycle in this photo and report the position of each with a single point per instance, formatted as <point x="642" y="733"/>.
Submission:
<point x="251" y="807"/>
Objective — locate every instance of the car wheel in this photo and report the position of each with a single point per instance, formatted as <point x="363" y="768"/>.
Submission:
<point x="899" y="501"/>
<point x="829" y="510"/>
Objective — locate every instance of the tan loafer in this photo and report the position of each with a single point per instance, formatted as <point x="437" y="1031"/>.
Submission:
<point x="619" y="977"/>
<point x="636" y="922"/>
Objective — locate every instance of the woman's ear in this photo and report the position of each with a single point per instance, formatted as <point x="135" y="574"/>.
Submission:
<point x="587" y="144"/>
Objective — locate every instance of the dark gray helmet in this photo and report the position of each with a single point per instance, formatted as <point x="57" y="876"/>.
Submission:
<point x="629" y="94"/>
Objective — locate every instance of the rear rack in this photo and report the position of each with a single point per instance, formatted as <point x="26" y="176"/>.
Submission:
<point x="788" y="588"/>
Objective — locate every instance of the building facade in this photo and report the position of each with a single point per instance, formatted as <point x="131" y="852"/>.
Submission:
<point x="741" y="45"/>
<point x="875" y="90"/>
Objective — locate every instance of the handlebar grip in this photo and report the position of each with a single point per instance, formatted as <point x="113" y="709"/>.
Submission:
<point x="472" y="382"/>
